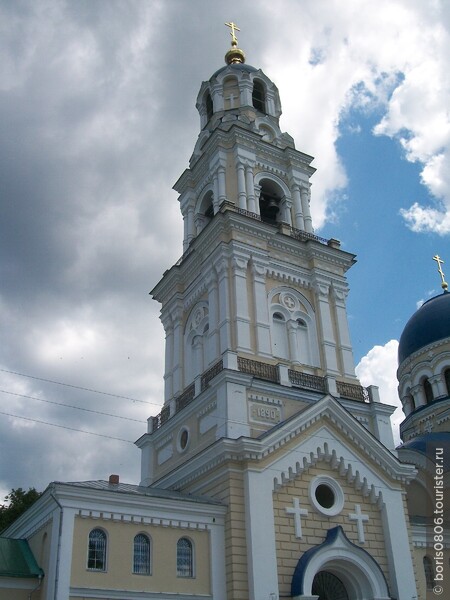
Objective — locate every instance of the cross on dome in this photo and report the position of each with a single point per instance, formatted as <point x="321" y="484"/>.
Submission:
<point x="235" y="55"/>
<point x="440" y="262"/>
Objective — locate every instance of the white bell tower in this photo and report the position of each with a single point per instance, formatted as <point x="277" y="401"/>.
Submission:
<point x="254" y="311"/>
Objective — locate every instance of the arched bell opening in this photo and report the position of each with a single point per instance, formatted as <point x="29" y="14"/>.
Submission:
<point x="259" y="96"/>
<point x="270" y="201"/>
<point x="204" y="211"/>
<point x="208" y="106"/>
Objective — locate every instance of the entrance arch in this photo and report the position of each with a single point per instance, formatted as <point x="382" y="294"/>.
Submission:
<point x="360" y="576"/>
<point x="328" y="587"/>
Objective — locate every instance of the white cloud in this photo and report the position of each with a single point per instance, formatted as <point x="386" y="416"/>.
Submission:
<point x="379" y="367"/>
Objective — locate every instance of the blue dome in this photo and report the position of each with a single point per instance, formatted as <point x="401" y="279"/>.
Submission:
<point x="429" y="324"/>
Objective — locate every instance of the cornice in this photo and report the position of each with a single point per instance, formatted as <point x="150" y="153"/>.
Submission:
<point x="327" y="410"/>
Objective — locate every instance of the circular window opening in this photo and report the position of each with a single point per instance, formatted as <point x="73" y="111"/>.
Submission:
<point x="325" y="495"/>
<point x="183" y="439"/>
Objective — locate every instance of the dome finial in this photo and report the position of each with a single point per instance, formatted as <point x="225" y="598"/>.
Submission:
<point x="440" y="262"/>
<point x="235" y="55"/>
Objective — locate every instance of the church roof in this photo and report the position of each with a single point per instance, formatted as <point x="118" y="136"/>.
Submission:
<point x="429" y="324"/>
<point x="235" y="67"/>
<point x="17" y="560"/>
<point x="128" y="488"/>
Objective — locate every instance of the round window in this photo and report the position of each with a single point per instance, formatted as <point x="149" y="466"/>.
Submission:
<point x="326" y="495"/>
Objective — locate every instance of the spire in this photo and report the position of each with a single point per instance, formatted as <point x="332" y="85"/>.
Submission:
<point x="440" y="262"/>
<point x="235" y="55"/>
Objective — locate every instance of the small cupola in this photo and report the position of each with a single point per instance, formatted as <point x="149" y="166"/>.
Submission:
<point x="238" y="92"/>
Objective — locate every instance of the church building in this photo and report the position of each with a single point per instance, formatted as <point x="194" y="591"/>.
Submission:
<point x="270" y="472"/>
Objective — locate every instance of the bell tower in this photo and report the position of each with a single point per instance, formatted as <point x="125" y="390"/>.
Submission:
<point x="254" y="311"/>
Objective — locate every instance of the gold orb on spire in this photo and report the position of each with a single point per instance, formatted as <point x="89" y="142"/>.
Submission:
<point x="235" y="55"/>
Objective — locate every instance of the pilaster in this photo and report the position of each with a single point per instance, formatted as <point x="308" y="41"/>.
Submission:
<point x="327" y="342"/>
<point x="262" y="325"/>
<point x="242" y="328"/>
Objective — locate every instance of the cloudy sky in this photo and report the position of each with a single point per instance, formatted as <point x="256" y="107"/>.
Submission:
<point x="98" y="120"/>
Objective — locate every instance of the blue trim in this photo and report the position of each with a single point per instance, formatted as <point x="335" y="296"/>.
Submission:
<point x="332" y="535"/>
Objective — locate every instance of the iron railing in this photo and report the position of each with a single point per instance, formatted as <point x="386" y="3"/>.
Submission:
<point x="305" y="380"/>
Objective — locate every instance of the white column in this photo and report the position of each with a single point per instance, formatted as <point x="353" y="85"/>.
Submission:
<point x="398" y="549"/>
<point x="190" y="224"/>
<point x="262" y="325"/>
<point x="261" y="546"/>
<point x="286" y="208"/>
<point x="242" y="195"/>
<point x="213" y="307"/>
<point x="418" y="394"/>
<point x="239" y="265"/>
<point x="177" y="383"/>
<point x="292" y="339"/>
<point x="197" y="348"/>
<point x="218" y="569"/>
<point x="327" y="342"/>
<point x="299" y="222"/>
<point x="343" y="332"/>
<point x="250" y="189"/>
<point x="222" y="186"/>
<point x="304" y="193"/>
<point x="435" y="381"/>
<point x="199" y="222"/>
<point x="168" y="373"/>
<point x="257" y="196"/>
<point x="216" y="193"/>
<point x="185" y="232"/>
<point x="64" y="568"/>
<point x="224" y="305"/>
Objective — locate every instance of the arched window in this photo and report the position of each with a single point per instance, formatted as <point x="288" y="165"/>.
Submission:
<point x="270" y="201"/>
<point x="185" y="558"/>
<point x="141" y="555"/>
<point x="97" y="550"/>
<point x="428" y="390"/>
<point x="259" y="97"/>
<point x="447" y="380"/>
<point x="429" y="572"/>
<point x="209" y="106"/>
<point x="280" y="340"/>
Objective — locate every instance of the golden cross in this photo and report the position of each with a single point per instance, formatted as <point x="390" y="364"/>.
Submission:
<point x="440" y="262"/>
<point x="233" y="28"/>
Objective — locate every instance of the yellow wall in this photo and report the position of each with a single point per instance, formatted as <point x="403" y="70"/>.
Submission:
<point x="120" y="558"/>
<point x="316" y="525"/>
<point x="229" y="489"/>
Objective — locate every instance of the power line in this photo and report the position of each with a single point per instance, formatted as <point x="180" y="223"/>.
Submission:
<point x="97" y="412"/>
<point x="78" y="387"/>
<point x="65" y="427"/>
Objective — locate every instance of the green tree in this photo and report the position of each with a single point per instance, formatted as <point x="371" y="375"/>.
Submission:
<point x="16" y="503"/>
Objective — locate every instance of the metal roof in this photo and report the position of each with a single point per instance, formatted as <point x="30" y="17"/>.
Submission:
<point x="17" y="560"/>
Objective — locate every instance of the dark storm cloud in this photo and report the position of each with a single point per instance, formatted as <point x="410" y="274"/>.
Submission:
<point x="98" y="120"/>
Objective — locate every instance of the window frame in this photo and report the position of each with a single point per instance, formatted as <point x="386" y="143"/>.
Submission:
<point x="148" y="539"/>
<point x="191" y="567"/>
<point x="96" y="569"/>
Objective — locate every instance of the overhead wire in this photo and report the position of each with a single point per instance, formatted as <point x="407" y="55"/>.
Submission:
<point x="78" y="387"/>
<point x="71" y="406"/>
<point x="66" y="427"/>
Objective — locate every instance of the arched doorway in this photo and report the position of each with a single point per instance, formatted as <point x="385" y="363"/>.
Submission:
<point x="328" y="587"/>
<point x="338" y="570"/>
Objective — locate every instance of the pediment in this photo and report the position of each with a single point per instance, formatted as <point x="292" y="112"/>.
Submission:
<point x="322" y="431"/>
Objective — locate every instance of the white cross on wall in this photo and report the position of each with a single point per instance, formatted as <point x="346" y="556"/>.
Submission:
<point x="298" y="513"/>
<point x="360" y="518"/>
